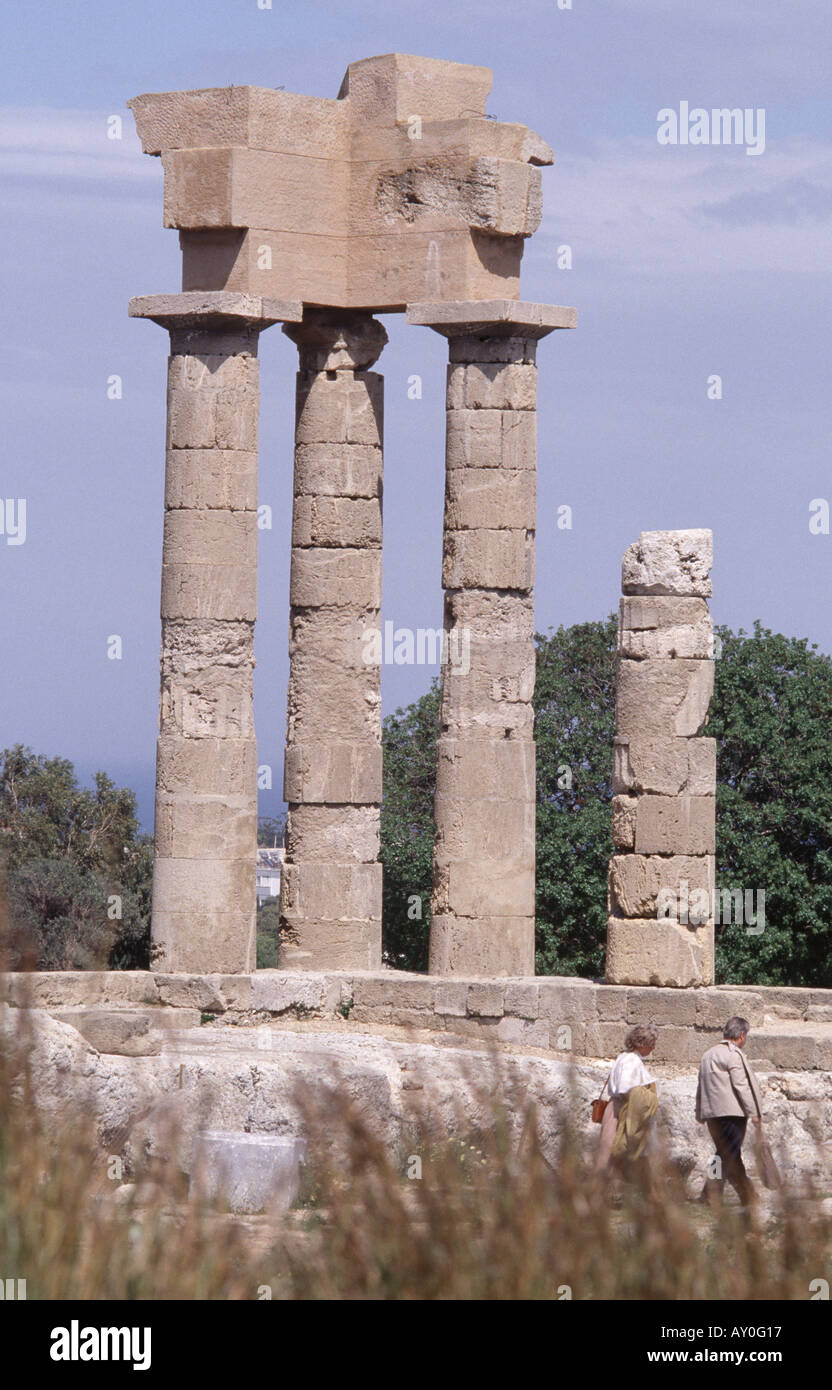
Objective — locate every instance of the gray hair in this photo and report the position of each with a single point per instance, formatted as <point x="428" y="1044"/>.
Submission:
<point x="735" y="1027"/>
<point x="643" y="1035"/>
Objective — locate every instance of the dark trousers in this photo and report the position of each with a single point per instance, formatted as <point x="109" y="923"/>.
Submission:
<point x="728" y="1133"/>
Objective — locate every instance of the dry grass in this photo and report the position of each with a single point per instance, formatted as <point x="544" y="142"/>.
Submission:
<point x="478" y="1216"/>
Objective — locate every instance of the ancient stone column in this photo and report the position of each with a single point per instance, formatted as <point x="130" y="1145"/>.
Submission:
<point x="483" y="905"/>
<point x="661" y="877"/>
<point x="330" y="902"/>
<point x="203" y="912"/>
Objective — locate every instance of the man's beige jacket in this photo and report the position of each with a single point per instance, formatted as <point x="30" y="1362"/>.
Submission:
<point x="727" y="1085"/>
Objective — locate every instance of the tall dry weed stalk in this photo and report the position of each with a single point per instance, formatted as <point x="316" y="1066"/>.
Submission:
<point x="501" y="1209"/>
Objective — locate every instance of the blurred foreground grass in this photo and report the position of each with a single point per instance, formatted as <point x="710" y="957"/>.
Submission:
<point x="445" y="1216"/>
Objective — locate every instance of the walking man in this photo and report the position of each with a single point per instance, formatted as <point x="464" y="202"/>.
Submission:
<point x="728" y="1094"/>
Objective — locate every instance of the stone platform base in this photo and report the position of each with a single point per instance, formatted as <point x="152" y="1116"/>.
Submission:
<point x="130" y="1012"/>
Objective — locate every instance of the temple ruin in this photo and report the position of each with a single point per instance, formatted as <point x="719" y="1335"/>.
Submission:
<point x="401" y="194"/>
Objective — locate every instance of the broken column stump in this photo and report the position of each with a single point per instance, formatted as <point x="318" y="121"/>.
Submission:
<point x="661" y="876"/>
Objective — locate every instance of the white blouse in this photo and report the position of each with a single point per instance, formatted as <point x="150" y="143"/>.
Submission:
<point x="628" y="1070"/>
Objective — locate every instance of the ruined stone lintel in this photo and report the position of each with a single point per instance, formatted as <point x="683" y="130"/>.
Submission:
<point x="482" y="905"/>
<point x="330" y="904"/>
<point x="660" y="927"/>
<point x="400" y="184"/>
<point x="203" y="912"/>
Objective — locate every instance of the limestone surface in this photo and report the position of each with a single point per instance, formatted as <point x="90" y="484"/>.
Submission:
<point x="664" y="770"/>
<point x="399" y="189"/>
<point x="245" y="1080"/>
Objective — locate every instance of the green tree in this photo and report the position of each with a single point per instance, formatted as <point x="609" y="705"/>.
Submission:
<point x="407" y="829"/>
<point x="78" y="868"/>
<point x="271" y="830"/>
<point x="268" y="930"/>
<point x="574" y="705"/>
<point x="771" y="715"/>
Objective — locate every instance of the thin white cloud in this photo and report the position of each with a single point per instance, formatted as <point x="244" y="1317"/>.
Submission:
<point x="669" y="208"/>
<point x="48" y="143"/>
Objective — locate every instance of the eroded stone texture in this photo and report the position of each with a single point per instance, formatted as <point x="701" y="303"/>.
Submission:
<point x="203" y="910"/>
<point x="675" y="563"/>
<point x="400" y="189"/>
<point x="482" y="905"/>
<point x="661" y="879"/>
<point x="330" y="906"/>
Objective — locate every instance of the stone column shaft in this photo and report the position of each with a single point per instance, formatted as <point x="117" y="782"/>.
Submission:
<point x="483" y="901"/>
<point x="204" y="904"/>
<point x="331" y="886"/>
<point x="660" y="929"/>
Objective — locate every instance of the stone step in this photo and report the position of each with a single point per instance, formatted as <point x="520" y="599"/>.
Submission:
<point x="127" y="1032"/>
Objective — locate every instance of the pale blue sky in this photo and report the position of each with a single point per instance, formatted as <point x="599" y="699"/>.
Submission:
<point x="686" y="262"/>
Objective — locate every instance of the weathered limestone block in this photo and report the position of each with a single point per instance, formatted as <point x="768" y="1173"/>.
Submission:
<point x="492" y="386"/>
<point x="478" y="828"/>
<point x="656" y="698"/>
<point x="330" y="773"/>
<point x="491" y="439"/>
<point x="665" y="628"/>
<point x="491" y="616"/>
<point x="330" y="892"/>
<point x="495" y="769"/>
<point x="336" y="521"/>
<point x="659" y="953"/>
<point x="624" y="821"/>
<point x="345" y="411"/>
<point x="220" y="420"/>
<point x="206" y="766"/>
<point x="339" y="834"/>
<point x="208" y="703"/>
<point x="337" y="470"/>
<point x="476" y="497"/>
<point x="223" y="593"/>
<point x="227" y="187"/>
<point x="246" y="1173"/>
<point x="669" y="562"/>
<point x="194" y="827"/>
<point x="484" y="887"/>
<point x="335" y="577"/>
<point x="481" y="705"/>
<point x="506" y="349"/>
<point x="201" y="910"/>
<point x="665" y="766"/>
<point x="206" y="478"/>
<point x="324" y="697"/>
<point x="675" y="825"/>
<point x="636" y="880"/>
<point x="346" y="638"/>
<point x="492" y="559"/>
<point x="480" y="947"/>
<point x="195" y="537"/>
<point x="331" y="944"/>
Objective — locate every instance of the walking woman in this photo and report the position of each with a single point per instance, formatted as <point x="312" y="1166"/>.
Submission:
<point x="630" y="1091"/>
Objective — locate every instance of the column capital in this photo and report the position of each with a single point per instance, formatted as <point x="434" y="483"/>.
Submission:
<point x="333" y="339"/>
<point x="214" y="321"/>
<point x="214" y="308"/>
<point x="498" y="318"/>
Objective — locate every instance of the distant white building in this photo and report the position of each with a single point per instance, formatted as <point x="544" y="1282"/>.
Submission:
<point x="269" y="868"/>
